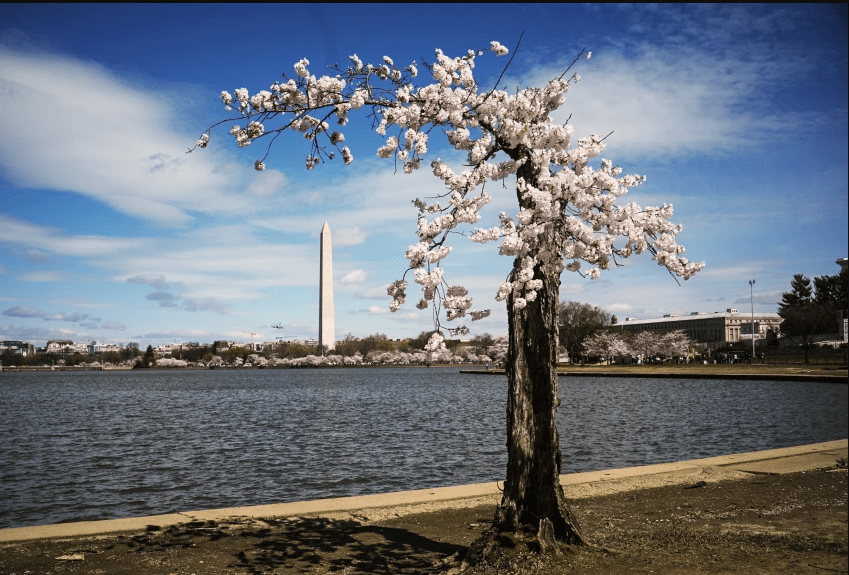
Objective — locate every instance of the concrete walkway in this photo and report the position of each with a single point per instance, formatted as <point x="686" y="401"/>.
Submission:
<point x="576" y="486"/>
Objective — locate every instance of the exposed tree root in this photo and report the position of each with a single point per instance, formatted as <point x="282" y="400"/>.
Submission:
<point x="524" y="550"/>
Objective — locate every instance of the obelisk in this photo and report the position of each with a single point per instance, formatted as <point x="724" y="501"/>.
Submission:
<point x="326" y="324"/>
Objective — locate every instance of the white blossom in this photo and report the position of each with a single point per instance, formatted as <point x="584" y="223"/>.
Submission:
<point x="301" y="68"/>
<point x="478" y="315"/>
<point x="498" y="48"/>
<point x="435" y="342"/>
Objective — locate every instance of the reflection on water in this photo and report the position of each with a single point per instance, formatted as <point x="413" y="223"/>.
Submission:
<point x="94" y="445"/>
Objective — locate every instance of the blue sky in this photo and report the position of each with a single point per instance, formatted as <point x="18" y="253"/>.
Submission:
<point x="737" y="115"/>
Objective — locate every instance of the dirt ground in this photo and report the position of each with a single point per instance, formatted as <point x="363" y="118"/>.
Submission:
<point x="794" y="523"/>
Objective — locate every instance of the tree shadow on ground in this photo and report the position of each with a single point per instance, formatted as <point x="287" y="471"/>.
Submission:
<point x="305" y="544"/>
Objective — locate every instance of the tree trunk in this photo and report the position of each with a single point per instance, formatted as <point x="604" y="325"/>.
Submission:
<point x="532" y="490"/>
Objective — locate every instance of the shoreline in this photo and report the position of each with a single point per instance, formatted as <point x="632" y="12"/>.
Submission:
<point x="759" y="372"/>
<point x="577" y="486"/>
<point x="817" y="378"/>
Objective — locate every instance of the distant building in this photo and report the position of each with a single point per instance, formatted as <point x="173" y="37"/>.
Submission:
<point x="18" y="347"/>
<point x="96" y="347"/>
<point x="220" y="345"/>
<point x="65" y="347"/>
<point x="705" y="327"/>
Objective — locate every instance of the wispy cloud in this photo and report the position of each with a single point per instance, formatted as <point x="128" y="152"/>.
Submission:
<point x="23" y="311"/>
<point x="74" y="317"/>
<point x="357" y="276"/>
<point x="682" y="82"/>
<point x="156" y="281"/>
<point x="768" y="298"/>
<point x="126" y="151"/>
<point x="206" y="269"/>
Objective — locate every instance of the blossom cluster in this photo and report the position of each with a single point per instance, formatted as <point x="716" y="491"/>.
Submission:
<point x="569" y="213"/>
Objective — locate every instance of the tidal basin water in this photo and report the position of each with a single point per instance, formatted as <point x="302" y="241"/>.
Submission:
<point x="97" y="445"/>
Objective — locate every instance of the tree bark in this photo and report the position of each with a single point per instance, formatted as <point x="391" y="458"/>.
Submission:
<point x="532" y="490"/>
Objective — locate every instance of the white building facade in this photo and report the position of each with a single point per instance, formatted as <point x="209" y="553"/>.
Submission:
<point x="713" y="328"/>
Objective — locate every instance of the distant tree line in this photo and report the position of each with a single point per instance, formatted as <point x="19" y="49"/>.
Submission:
<point x="126" y="357"/>
<point x="810" y="312"/>
<point x="587" y="333"/>
<point x="375" y="349"/>
<point x="650" y="346"/>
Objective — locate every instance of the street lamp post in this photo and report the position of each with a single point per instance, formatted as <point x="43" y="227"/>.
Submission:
<point x="752" y="298"/>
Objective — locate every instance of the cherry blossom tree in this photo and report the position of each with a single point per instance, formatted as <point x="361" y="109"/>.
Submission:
<point x="676" y="344"/>
<point x="606" y="344"/>
<point x="650" y="344"/>
<point x="646" y="344"/>
<point x="568" y="215"/>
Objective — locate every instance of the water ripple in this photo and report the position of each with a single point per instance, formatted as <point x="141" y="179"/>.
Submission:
<point x="95" y="445"/>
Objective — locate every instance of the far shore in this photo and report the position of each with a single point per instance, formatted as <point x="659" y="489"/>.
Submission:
<point x="774" y="372"/>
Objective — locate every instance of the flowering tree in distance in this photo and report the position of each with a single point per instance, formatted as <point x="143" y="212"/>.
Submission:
<point x="567" y="214"/>
<point x="606" y="344"/>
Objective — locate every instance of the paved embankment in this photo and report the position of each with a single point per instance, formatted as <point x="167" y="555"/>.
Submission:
<point x="576" y="485"/>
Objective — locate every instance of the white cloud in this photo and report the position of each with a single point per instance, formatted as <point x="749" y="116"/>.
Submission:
<point x="370" y="195"/>
<point x="378" y="310"/>
<point x="677" y="99"/>
<point x="378" y="292"/>
<point x="570" y="289"/>
<point x="267" y="183"/>
<point x="156" y="281"/>
<point x="349" y="237"/>
<point x="74" y="317"/>
<point x="35" y="333"/>
<point x="211" y="268"/>
<point x="768" y="298"/>
<point x="354" y="277"/>
<point x="125" y="151"/>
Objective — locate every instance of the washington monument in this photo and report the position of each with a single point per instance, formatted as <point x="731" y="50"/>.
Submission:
<point x="326" y="324"/>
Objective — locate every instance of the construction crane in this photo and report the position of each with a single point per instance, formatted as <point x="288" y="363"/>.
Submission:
<point x="280" y="326"/>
